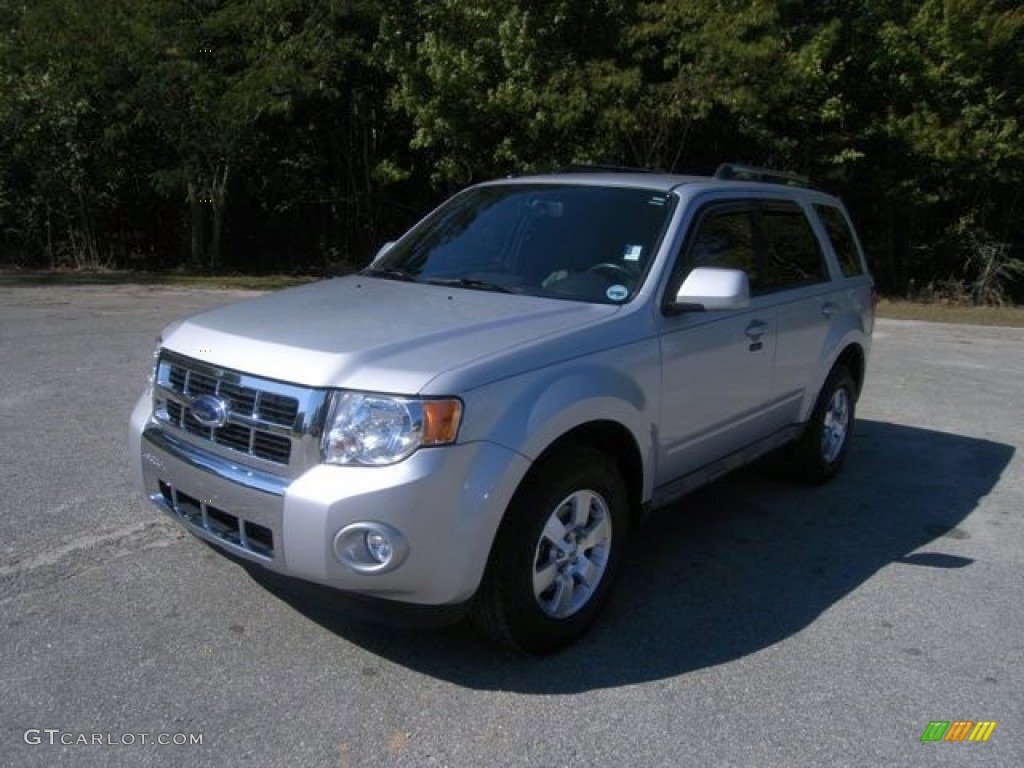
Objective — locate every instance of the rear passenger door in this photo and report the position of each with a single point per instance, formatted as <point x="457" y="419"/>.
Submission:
<point x="857" y="286"/>
<point x="794" y="272"/>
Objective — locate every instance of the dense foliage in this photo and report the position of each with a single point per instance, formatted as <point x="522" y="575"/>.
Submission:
<point x="283" y="135"/>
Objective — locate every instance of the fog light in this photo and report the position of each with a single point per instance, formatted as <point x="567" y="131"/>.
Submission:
<point x="370" y="547"/>
<point x="379" y="546"/>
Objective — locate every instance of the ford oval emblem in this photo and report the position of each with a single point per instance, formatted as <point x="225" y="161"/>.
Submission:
<point x="209" y="411"/>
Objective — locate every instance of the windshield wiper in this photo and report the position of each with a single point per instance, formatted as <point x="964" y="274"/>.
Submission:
<point x="390" y="274"/>
<point x="468" y="282"/>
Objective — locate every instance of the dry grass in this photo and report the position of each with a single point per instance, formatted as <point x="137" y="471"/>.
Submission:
<point x="1011" y="316"/>
<point x="125" y="277"/>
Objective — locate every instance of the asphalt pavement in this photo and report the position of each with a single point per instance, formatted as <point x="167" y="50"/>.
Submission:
<point x="757" y="623"/>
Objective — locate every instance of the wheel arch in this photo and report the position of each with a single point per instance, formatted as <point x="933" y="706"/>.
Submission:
<point x="854" y="358"/>
<point x="611" y="438"/>
<point x="616" y="442"/>
<point x="851" y="354"/>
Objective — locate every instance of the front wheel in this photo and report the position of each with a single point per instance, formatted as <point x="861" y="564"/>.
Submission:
<point x="819" y="453"/>
<point x="557" y="552"/>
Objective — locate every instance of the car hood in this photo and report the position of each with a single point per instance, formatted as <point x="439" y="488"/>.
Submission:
<point x="374" y="334"/>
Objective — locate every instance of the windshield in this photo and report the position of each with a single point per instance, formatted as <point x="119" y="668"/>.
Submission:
<point x="587" y="243"/>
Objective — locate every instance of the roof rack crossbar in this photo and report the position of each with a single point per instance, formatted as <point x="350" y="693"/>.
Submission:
<point x="755" y="173"/>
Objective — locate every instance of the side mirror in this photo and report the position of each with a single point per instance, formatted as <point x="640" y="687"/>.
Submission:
<point x="712" y="289"/>
<point x="383" y="250"/>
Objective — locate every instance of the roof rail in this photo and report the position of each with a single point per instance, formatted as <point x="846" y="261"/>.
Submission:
<point x="754" y="173"/>
<point x="599" y="168"/>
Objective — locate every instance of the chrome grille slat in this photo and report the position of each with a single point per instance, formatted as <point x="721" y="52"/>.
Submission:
<point x="272" y="422"/>
<point x="243" y="399"/>
<point x="252" y="433"/>
<point x="234" y="436"/>
<point x="267" y="446"/>
<point x="276" y="409"/>
<point x="259" y="424"/>
<point x="200" y="384"/>
<point x="175" y="412"/>
<point x="179" y="379"/>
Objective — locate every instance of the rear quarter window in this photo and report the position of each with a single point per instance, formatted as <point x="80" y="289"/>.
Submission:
<point x="843" y="242"/>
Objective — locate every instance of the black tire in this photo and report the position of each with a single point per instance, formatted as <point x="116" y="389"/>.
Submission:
<point x="538" y="621"/>
<point x="818" y="454"/>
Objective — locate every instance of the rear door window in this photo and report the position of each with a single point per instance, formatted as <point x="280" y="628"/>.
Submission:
<point x="792" y="253"/>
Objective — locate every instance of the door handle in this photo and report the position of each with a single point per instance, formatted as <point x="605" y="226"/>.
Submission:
<point x="828" y="309"/>
<point x="756" y="330"/>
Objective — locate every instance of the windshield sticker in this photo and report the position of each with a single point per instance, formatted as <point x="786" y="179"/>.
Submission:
<point x="632" y="252"/>
<point x="659" y="200"/>
<point x="616" y="292"/>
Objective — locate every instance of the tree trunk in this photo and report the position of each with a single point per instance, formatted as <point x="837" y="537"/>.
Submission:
<point x="218" y="203"/>
<point x="196" y="221"/>
<point x="49" y="237"/>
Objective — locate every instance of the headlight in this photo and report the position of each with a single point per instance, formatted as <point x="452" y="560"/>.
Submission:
<point x="380" y="429"/>
<point x="151" y="377"/>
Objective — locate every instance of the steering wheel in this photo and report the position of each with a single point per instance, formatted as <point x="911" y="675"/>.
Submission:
<point x="615" y="269"/>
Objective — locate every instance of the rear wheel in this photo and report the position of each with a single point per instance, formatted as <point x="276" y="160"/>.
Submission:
<point x="556" y="553"/>
<point x="820" y="452"/>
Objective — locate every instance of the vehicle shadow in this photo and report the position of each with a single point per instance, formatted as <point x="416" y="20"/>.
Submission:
<point x="728" y="571"/>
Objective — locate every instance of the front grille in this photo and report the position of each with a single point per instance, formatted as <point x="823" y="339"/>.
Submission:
<point x="250" y="536"/>
<point x="264" y="418"/>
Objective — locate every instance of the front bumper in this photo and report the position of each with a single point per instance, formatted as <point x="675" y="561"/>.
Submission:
<point x="445" y="504"/>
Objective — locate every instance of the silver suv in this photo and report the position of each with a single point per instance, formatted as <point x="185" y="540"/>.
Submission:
<point x="478" y="418"/>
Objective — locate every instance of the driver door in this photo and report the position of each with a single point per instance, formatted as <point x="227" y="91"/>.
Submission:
<point x="717" y="366"/>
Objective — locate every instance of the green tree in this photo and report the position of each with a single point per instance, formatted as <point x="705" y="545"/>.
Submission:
<point x="217" y="69"/>
<point x="241" y="84"/>
<point x="233" y="133"/>
<point x="69" y="141"/>
<point x="492" y="88"/>
<point x="707" y="66"/>
<point x="958" y="108"/>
